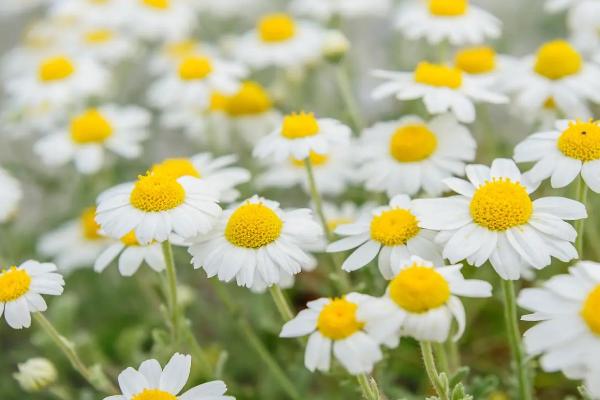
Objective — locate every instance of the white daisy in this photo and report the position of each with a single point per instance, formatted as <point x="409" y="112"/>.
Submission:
<point x="171" y="53"/>
<point x="458" y="22"/>
<point x="159" y="20"/>
<point x="442" y="88"/>
<point x="103" y="44"/>
<point x="325" y="9"/>
<point x="483" y="64"/>
<point x="131" y="255"/>
<point x="493" y="218"/>
<point x="21" y="289"/>
<point x="301" y="133"/>
<point x="409" y="154"/>
<point x="421" y="301"/>
<point x="10" y="195"/>
<point x="334" y="326"/>
<point x="392" y="232"/>
<point x="150" y="382"/>
<point x="279" y="40"/>
<point x="257" y="240"/>
<point x="90" y="133"/>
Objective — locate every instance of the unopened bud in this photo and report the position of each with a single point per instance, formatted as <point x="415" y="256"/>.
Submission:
<point x="35" y="374"/>
<point x="335" y="46"/>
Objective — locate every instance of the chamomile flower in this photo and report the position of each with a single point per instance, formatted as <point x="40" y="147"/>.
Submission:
<point x="443" y="88"/>
<point x="393" y="233"/>
<point x="562" y="154"/>
<point x="21" y="290"/>
<point x="280" y="40"/>
<point x="103" y="44"/>
<point x="75" y="244"/>
<point x="257" y="240"/>
<point x="483" y="64"/>
<point x="421" y="301"/>
<point x="151" y="382"/>
<point x="11" y="194"/>
<point x="494" y="218"/>
<point x="159" y="20"/>
<point x="558" y="74"/>
<point x="131" y="255"/>
<point x="458" y="22"/>
<point x="409" y="154"/>
<point x="157" y="205"/>
<point x="301" y="133"/>
<point x="334" y="326"/>
<point x="93" y="131"/>
<point x="325" y="9"/>
<point x="173" y="52"/>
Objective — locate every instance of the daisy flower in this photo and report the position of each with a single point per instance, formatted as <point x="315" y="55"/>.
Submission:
<point x="334" y="325"/>
<point x="484" y="64"/>
<point x="325" y="9"/>
<point x="558" y="74"/>
<point x="103" y="44"/>
<point x="257" y="240"/>
<point x="567" y="333"/>
<point x="562" y="154"/>
<point x="280" y="40"/>
<point x="150" y="382"/>
<point x="159" y="20"/>
<point x="131" y="255"/>
<point x="443" y="88"/>
<point x="21" y="290"/>
<point x="493" y="218"/>
<point x="75" y="244"/>
<point x="392" y="232"/>
<point x="171" y="53"/>
<point x="409" y="154"/>
<point x="301" y="133"/>
<point x="90" y="133"/>
<point x="421" y="301"/>
<point x="157" y="205"/>
<point x="458" y="22"/>
<point x="10" y="195"/>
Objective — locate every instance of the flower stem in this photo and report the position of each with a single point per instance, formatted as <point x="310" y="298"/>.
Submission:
<point x="104" y="386"/>
<point x="281" y="302"/>
<point x="368" y="387"/>
<point x="582" y="190"/>
<point x="440" y="354"/>
<point x="343" y="83"/>
<point x="431" y="369"/>
<point x="514" y="339"/>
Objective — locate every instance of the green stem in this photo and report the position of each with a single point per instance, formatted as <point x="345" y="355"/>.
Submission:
<point x="69" y="351"/>
<point x="582" y="191"/>
<point x="453" y="352"/>
<point x="343" y="82"/>
<point x="431" y="369"/>
<point x="368" y="387"/>
<point x="514" y="339"/>
<point x="440" y="354"/>
<point x="282" y="303"/>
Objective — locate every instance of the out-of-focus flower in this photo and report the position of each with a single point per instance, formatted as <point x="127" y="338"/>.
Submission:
<point x="493" y="218"/>
<point x="583" y="22"/>
<point x="334" y="326"/>
<point x="335" y="46"/>
<point x="88" y="13"/>
<point x="102" y="44"/>
<point x="21" y="289"/>
<point x="392" y="232"/>
<point x="442" y="88"/>
<point x="325" y="9"/>
<point x="36" y="374"/>
<point x="131" y="255"/>
<point x="484" y="64"/>
<point x="409" y="154"/>
<point x="159" y="20"/>
<point x="257" y="241"/>
<point x="10" y="195"/>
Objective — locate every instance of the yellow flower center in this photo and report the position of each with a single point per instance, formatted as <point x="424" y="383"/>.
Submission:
<point x="333" y="223"/>
<point x="438" y="75"/>
<point x="276" y="28"/>
<point x="419" y="289"/>
<point x="90" y="127"/>
<point x="195" y="68"/>
<point x="448" y="8"/>
<point x="14" y="283"/>
<point x="591" y="310"/>
<point x="550" y="104"/>
<point x="155" y="193"/>
<point x="179" y="50"/>
<point x="154" y="394"/>
<point x="176" y="168"/>
<point x="158" y="4"/>
<point x="130" y="239"/>
<point x="337" y="320"/>
<point x="296" y="126"/>
<point x="394" y="227"/>
<point x="55" y="69"/>
<point x="98" y="36"/>
<point x="251" y="99"/>
<point x="316" y="160"/>
<point x="501" y="204"/>
<point x="557" y="59"/>
<point x="89" y="227"/>
<point x="412" y="143"/>
<point x="253" y="226"/>
<point x="581" y="140"/>
<point x="476" y="60"/>
<point x="218" y="101"/>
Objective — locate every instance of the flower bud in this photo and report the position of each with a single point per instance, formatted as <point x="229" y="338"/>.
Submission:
<point x="35" y="374"/>
<point x="335" y="46"/>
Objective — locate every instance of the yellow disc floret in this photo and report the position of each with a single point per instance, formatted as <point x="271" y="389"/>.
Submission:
<point x="89" y="226"/>
<point x="158" y="4"/>
<point x="591" y="310"/>
<point x="251" y="99"/>
<point x="55" y="69"/>
<point x="155" y="193"/>
<point x="14" y="283"/>
<point x="195" y="68"/>
<point x="154" y="394"/>
<point x="90" y="127"/>
<point x="218" y="101"/>
<point x="394" y="227"/>
<point x="98" y="36"/>
<point x="333" y="223"/>
<point x="438" y="75"/>
<point x="419" y="289"/>
<point x="501" y="204"/>
<point x="316" y="160"/>
<point x="448" y="8"/>
<point x="299" y="125"/>
<point x="276" y="28"/>
<point x="476" y="60"/>
<point x="411" y="143"/>
<point x="581" y="140"/>
<point x="176" y="168"/>
<point x="253" y="225"/>
<point x="179" y="50"/>
<point x="130" y="239"/>
<point x="557" y="59"/>
<point x="337" y="320"/>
